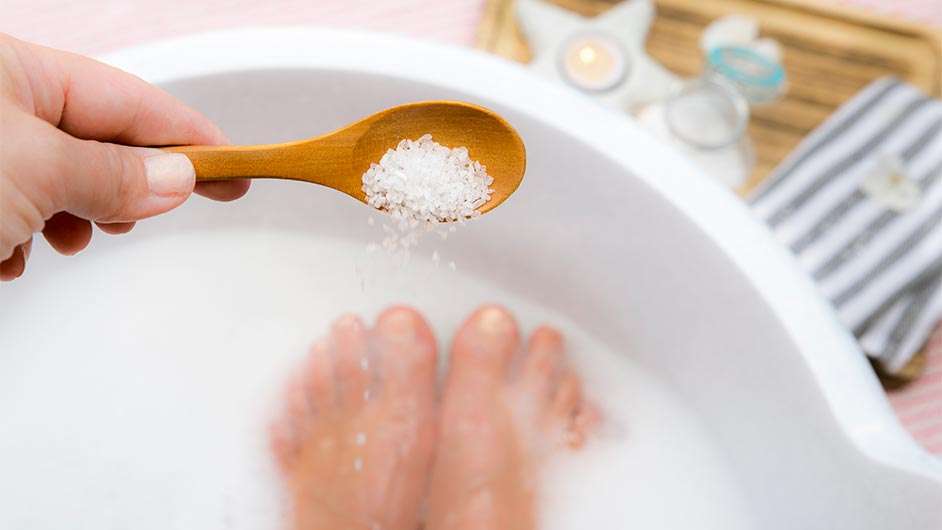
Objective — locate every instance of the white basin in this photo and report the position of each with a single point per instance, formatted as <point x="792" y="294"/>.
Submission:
<point x="610" y="232"/>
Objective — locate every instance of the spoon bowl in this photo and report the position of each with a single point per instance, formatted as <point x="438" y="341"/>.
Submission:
<point x="338" y="159"/>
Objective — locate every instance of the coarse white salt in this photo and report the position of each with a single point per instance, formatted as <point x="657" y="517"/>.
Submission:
<point x="361" y="439"/>
<point x="422" y="184"/>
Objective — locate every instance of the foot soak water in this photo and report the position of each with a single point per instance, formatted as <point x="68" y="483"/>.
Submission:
<point x="114" y="422"/>
<point x="422" y="184"/>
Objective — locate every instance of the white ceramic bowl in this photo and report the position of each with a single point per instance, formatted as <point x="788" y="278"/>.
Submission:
<point x="610" y="229"/>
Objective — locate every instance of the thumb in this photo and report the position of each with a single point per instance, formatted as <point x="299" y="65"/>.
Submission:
<point x="113" y="183"/>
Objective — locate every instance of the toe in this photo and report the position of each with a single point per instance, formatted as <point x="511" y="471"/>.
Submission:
<point x="485" y="344"/>
<point x="298" y="405"/>
<point x="287" y="434"/>
<point x="543" y="361"/>
<point x="284" y="444"/>
<point x="406" y="349"/>
<point x="319" y="381"/>
<point x="585" y="422"/>
<point x="546" y="338"/>
<point x="353" y="364"/>
<point x="570" y="415"/>
<point x="568" y="397"/>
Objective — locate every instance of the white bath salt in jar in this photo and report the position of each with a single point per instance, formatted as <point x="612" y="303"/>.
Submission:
<point x="422" y="184"/>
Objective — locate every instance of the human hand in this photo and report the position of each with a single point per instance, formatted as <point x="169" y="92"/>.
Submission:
<point x="60" y="171"/>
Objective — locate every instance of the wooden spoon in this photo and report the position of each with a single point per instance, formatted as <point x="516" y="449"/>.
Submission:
<point x="338" y="159"/>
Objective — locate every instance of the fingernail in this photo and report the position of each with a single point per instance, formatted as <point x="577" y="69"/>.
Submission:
<point x="169" y="174"/>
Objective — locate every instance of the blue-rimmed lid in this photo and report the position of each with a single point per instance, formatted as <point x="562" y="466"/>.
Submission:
<point x="757" y="77"/>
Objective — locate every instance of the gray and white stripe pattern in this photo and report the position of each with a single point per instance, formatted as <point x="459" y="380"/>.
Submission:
<point x="881" y="268"/>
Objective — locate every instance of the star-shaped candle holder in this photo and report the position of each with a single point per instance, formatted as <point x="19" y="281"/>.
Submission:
<point x="603" y="56"/>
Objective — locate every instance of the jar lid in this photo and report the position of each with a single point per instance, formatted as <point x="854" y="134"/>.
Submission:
<point x="757" y="77"/>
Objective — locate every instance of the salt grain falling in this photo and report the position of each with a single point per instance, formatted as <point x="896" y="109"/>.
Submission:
<point x="452" y="265"/>
<point x="358" y="465"/>
<point x="361" y="439"/>
<point x="364" y="364"/>
<point x="422" y="184"/>
<point x="366" y="395"/>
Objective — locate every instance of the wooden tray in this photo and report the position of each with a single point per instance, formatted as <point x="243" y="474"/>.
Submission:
<point x="830" y="53"/>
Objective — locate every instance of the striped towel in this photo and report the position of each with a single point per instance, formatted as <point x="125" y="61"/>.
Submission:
<point x="859" y="202"/>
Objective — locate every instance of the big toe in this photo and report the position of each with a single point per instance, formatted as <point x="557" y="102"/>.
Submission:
<point x="406" y="348"/>
<point x="484" y="345"/>
<point x="353" y="360"/>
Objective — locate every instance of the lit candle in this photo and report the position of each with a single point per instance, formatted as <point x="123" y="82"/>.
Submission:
<point x="593" y="62"/>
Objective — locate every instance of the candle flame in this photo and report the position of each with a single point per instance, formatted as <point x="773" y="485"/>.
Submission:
<point x="587" y="54"/>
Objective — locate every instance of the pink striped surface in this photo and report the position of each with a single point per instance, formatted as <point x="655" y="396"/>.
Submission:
<point x="924" y="11"/>
<point x="97" y="26"/>
<point x="919" y="405"/>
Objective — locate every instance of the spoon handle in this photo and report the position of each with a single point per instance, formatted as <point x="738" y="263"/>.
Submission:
<point x="224" y="162"/>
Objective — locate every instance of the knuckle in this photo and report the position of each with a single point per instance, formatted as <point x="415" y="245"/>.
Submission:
<point x="120" y="172"/>
<point x="27" y="166"/>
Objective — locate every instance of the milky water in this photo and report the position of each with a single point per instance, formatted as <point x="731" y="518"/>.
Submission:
<point x="136" y="385"/>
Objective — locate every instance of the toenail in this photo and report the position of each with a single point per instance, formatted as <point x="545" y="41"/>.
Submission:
<point x="347" y="322"/>
<point x="399" y="326"/>
<point x="319" y="346"/>
<point x="494" y="322"/>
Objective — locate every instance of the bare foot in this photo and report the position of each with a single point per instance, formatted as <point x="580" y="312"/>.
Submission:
<point x="503" y="414"/>
<point x="356" y="439"/>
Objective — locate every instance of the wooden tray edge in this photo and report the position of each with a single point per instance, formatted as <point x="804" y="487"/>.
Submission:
<point x="495" y="10"/>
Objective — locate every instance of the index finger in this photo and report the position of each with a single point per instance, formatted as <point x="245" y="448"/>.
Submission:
<point x="91" y="100"/>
